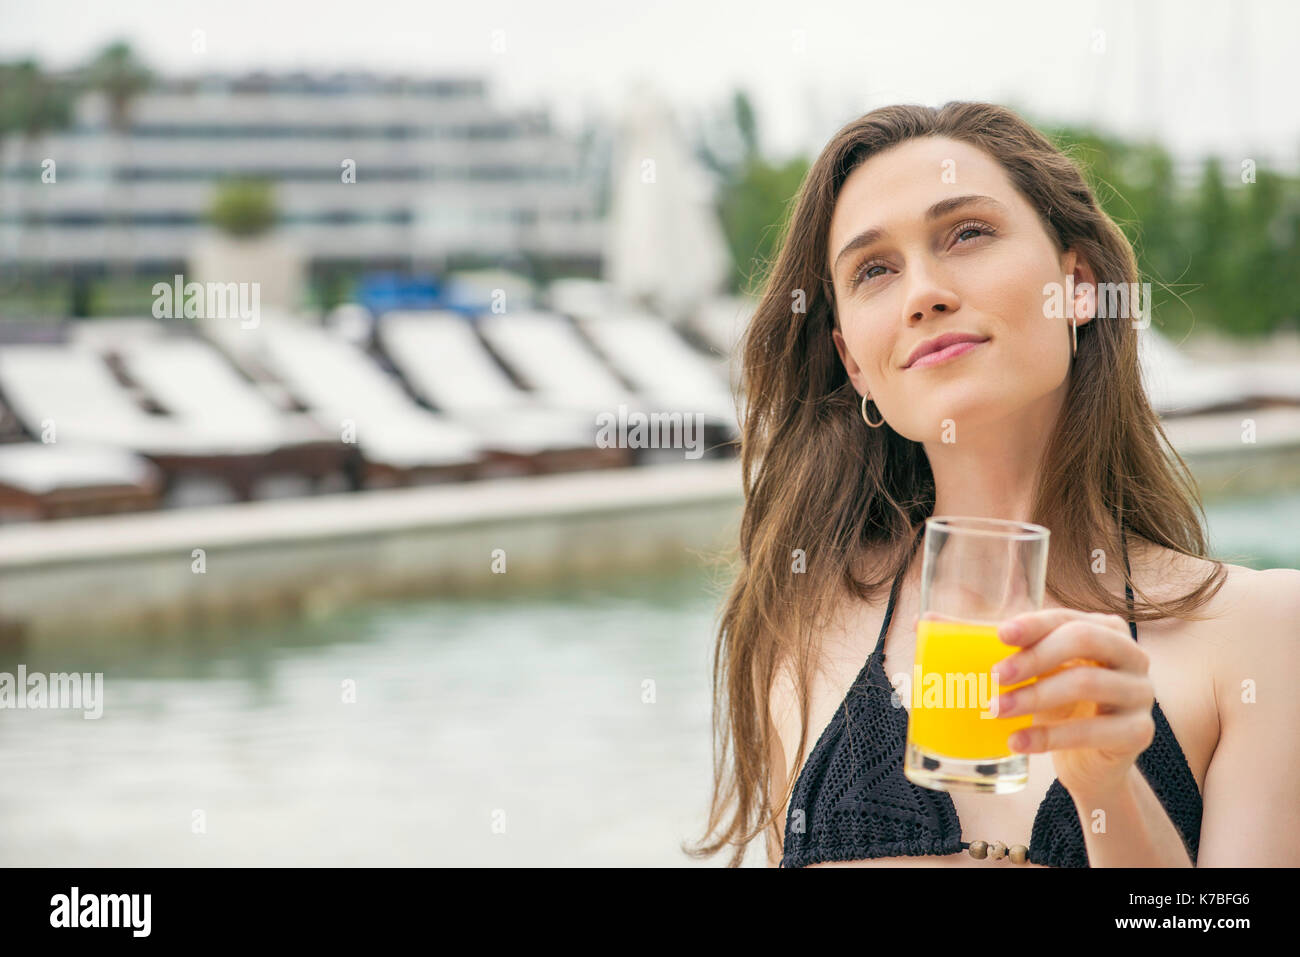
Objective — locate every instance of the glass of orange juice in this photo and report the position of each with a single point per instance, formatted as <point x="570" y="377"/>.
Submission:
<point x="975" y="573"/>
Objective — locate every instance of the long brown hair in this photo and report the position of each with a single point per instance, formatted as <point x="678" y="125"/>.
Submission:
<point x="817" y="480"/>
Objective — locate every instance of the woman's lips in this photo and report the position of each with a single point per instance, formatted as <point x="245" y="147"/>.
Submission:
<point x="943" y="355"/>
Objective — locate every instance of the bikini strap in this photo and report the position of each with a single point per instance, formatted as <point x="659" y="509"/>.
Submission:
<point x="893" y="593"/>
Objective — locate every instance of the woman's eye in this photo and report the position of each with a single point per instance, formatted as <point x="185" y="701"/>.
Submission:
<point x="973" y="227"/>
<point x="864" y="273"/>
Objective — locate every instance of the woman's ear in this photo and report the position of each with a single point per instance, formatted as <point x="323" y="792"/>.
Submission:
<point x="1084" y="303"/>
<point x="850" y="366"/>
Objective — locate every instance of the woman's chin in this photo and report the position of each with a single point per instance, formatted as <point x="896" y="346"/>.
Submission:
<point x="951" y="421"/>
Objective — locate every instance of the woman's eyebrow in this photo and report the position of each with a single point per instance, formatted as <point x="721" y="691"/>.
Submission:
<point x="939" y="209"/>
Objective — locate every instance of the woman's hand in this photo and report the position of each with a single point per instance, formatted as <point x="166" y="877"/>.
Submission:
<point x="1091" y="701"/>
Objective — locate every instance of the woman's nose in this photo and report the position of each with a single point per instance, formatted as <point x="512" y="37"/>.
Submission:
<point x="928" y="293"/>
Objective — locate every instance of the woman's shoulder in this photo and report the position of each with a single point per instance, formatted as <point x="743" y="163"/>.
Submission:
<point x="1164" y="574"/>
<point x="1249" y="626"/>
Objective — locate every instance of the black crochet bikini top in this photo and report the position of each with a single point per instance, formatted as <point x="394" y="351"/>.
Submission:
<point x="858" y="804"/>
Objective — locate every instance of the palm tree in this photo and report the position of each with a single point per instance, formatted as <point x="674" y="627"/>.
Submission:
<point x="32" y="103"/>
<point x="120" y="77"/>
<point x="117" y="74"/>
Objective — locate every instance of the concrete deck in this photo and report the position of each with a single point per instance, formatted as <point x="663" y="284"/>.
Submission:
<point x="135" y="574"/>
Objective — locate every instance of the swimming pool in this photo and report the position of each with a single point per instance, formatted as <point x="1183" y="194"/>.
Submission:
<point x="561" y="727"/>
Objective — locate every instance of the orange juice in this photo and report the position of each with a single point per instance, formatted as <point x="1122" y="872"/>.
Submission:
<point x="954" y="688"/>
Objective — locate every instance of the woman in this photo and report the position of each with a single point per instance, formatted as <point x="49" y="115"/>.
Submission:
<point x="963" y="233"/>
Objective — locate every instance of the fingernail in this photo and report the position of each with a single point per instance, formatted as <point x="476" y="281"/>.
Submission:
<point x="1009" y="632"/>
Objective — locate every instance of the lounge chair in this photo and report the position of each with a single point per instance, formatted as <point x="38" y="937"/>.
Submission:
<point x="1177" y="385"/>
<point x="548" y="354"/>
<point x="195" y="383"/>
<point x="64" y="393"/>
<point x="40" y="481"/>
<point x="349" y="395"/>
<point x="721" y="323"/>
<point x="552" y="356"/>
<point x="448" y="366"/>
<point x="663" y="367"/>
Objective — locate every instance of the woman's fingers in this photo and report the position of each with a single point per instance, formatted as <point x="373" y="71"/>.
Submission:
<point x="1090" y="636"/>
<point x="1113" y="690"/>
<point x="1032" y="626"/>
<point x="1128" y="733"/>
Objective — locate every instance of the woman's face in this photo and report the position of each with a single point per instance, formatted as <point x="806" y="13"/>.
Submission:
<point x="977" y="268"/>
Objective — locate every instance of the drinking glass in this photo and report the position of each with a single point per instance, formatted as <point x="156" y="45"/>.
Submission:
<point x="975" y="574"/>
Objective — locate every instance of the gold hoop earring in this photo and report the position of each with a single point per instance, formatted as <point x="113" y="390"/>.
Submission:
<point x="1074" y="336"/>
<point x="874" y="425"/>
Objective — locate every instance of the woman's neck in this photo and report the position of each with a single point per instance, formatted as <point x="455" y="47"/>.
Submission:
<point x="991" y="468"/>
